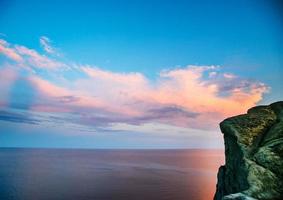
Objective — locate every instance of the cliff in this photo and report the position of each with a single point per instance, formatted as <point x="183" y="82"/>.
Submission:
<point x="253" y="155"/>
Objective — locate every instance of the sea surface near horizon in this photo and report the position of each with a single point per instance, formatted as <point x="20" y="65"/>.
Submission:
<point x="77" y="174"/>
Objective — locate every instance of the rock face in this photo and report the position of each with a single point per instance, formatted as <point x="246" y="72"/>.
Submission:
<point x="254" y="155"/>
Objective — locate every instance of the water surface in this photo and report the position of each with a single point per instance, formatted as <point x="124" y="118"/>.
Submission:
<point x="65" y="174"/>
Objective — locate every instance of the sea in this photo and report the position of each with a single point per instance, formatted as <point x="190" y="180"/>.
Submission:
<point x="92" y="174"/>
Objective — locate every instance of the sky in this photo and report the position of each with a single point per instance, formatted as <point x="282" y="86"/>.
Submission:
<point x="134" y="74"/>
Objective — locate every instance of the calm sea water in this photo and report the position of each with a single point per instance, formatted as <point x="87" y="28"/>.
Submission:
<point x="53" y="174"/>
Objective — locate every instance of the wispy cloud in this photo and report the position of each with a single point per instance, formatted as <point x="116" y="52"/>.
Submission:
<point x="28" y="58"/>
<point x="45" y="43"/>
<point x="195" y="97"/>
<point x="17" y="117"/>
<point x="9" y="52"/>
<point x="35" y="60"/>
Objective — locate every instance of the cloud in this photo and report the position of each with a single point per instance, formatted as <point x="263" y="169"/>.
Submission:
<point x="17" y="117"/>
<point x="169" y="111"/>
<point x="45" y="43"/>
<point x="29" y="58"/>
<point x="180" y="97"/>
<point x="36" y="60"/>
<point x="190" y="97"/>
<point x="8" y="76"/>
<point x="9" y="52"/>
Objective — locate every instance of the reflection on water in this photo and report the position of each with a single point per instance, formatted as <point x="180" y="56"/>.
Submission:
<point x="51" y="174"/>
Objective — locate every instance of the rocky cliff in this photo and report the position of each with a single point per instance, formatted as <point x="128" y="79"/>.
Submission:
<point x="253" y="155"/>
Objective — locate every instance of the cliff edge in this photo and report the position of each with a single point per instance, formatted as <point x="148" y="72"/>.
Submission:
<point x="253" y="155"/>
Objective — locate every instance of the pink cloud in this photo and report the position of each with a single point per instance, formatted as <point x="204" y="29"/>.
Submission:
<point x="9" y="52"/>
<point x="229" y="75"/>
<point x="7" y="78"/>
<point x="179" y="97"/>
<point x="28" y="58"/>
<point x="37" y="60"/>
<point x="192" y="97"/>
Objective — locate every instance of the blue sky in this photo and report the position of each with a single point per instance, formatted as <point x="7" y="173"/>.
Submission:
<point x="157" y="47"/>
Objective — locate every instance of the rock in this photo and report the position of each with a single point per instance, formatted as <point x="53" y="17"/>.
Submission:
<point x="253" y="155"/>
